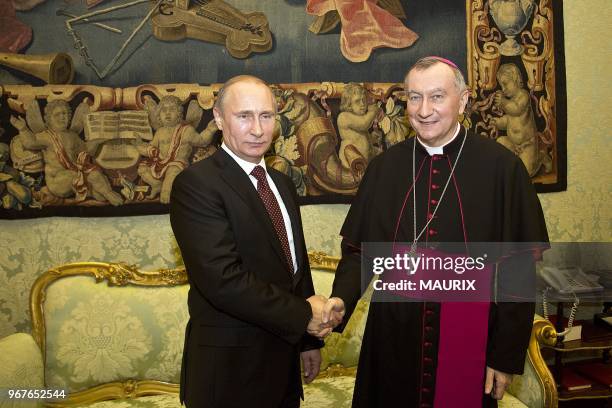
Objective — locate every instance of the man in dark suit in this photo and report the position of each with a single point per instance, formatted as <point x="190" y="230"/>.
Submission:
<point x="251" y="299"/>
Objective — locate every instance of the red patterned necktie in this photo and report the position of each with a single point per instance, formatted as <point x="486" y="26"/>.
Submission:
<point x="274" y="211"/>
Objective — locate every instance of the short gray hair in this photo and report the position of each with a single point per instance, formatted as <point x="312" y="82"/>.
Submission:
<point x="428" y="62"/>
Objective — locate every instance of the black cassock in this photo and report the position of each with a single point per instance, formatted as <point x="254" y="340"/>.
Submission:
<point x="489" y="199"/>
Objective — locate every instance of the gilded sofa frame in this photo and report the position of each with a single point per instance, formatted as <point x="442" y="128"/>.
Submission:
<point x="116" y="274"/>
<point x="122" y="274"/>
<point x="543" y="333"/>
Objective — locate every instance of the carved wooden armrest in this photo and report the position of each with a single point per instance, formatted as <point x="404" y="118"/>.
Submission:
<point x="543" y="334"/>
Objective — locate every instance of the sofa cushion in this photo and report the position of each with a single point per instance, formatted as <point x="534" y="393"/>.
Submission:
<point x="510" y="401"/>
<point x="333" y="392"/>
<point x="97" y="334"/>
<point x="21" y="367"/>
<point x="153" y="401"/>
<point x="527" y="387"/>
<point x="337" y="392"/>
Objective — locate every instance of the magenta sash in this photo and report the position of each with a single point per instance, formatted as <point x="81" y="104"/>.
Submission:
<point x="464" y="320"/>
<point x="461" y="355"/>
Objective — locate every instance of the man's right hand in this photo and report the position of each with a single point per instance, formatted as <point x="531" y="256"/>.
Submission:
<point x="316" y="304"/>
<point x="326" y="314"/>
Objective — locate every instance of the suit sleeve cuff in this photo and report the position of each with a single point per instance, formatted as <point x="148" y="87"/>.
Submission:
<point x="311" y="343"/>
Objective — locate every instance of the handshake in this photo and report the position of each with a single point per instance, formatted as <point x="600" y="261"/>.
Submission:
<point x="326" y="314"/>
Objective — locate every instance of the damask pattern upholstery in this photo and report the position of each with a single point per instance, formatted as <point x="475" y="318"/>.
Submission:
<point x="97" y="333"/>
<point x="153" y="401"/>
<point x="22" y="367"/>
<point x="527" y="388"/>
<point x="328" y="393"/>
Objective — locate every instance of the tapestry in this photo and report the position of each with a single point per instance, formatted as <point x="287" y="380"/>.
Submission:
<point x="102" y="147"/>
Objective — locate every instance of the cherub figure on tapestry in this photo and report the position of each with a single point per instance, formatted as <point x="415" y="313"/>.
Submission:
<point x="355" y="120"/>
<point x="173" y="143"/>
<point x="69" y="169"/>
<point x="517" y="118"/>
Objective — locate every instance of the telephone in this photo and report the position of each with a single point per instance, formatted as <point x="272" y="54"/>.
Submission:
<point x="568" y="280"/>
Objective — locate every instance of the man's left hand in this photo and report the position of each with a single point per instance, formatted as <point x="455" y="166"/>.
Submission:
<point x="496" y="383"/>
<point x="311" y="361"/>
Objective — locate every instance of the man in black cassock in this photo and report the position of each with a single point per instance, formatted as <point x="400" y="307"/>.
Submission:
<point x="487" y="197"/>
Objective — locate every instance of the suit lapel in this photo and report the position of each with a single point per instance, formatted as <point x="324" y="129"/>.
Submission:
<point x="239" y="181"/>
<point x="293" y="211"/>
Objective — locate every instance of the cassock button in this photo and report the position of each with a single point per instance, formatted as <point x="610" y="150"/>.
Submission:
<point x="423" y="405"/>
<point x="426" y="390"/>
<point x="437" y="157"/>
<point x="432" y="232"/>
<point x="435" y="171"/>
<point x="427" y="360"/>
<point x="433" y="201"/>
<point x="429" y="312"/>
<point x="430" y="216"/>
<point x="428" y="328"/>
<point x="435" y="186"/>
<point x="427" y="344"/>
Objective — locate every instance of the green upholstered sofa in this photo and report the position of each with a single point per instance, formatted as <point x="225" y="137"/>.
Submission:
<point x="112" y="335"/>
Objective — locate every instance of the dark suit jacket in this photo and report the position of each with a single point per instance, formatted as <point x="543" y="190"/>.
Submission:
<point x="248" y="313"/>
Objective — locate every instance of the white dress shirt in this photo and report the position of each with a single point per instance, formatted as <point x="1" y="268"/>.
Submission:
<point x="248" y="168"/>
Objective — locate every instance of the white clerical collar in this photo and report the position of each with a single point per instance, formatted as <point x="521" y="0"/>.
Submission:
<point x="245" y="165"/>
<point x="439" y="149"/>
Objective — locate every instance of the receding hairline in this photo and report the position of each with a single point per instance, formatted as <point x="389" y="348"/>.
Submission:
<point x="239" y="79"/>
